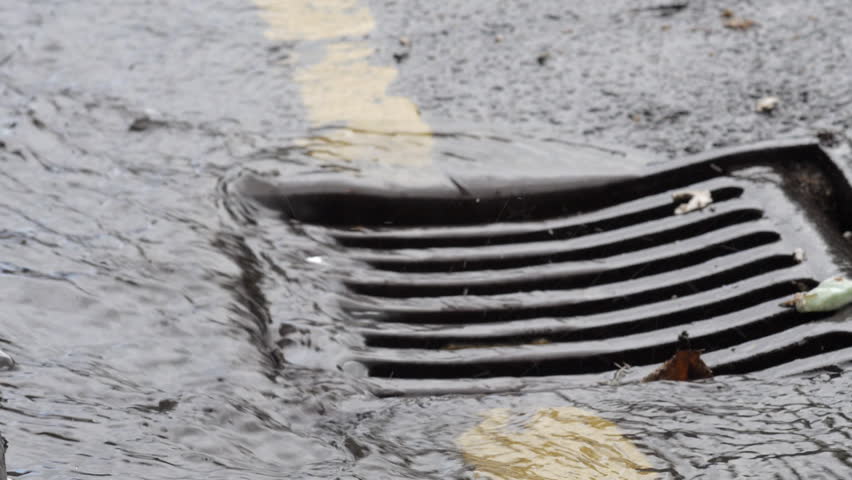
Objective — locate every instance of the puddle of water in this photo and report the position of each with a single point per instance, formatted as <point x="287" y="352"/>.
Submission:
<point x="727" y="428"/>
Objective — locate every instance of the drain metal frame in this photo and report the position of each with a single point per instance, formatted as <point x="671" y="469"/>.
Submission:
<point x="447" y="300"/>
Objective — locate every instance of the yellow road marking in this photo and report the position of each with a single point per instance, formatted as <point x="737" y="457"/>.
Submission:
<point x="342" y="90"/>
<point x="315" y="19"/>
<point x="551" y="444"/>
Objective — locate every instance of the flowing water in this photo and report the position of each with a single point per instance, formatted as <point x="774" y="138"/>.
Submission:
<point x="166" y="329"/>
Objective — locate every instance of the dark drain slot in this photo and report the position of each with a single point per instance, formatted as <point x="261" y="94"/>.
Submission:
<point x="570" y="231"/>
<point x="809" y="347"/>
<point x="609" y="330"/>
<point x="570" y="365"/>
<point x="715" y="280"/>
<point x="638" y="270"/>
<point x="600" y="251"/>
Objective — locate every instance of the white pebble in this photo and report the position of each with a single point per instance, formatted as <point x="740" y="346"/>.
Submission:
<point x="767" y="104"/>
<point x="315" y="260"/>
<point x="693" y="200"/>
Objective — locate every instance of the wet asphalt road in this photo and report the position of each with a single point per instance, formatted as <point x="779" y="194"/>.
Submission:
<point x="668" y="80"/>
<point x="143" y="302"/>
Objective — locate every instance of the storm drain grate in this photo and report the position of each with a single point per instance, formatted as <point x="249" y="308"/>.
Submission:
<point x="547" y="290"/>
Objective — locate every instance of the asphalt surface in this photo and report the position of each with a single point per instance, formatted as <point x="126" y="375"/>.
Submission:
<point x="665" y="77"/>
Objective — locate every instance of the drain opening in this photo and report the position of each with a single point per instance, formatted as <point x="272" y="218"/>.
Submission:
<point x="607" y="330"/>
<point x="523" y="283"/>
<point x="479" y="239"/>
<point x="642" y="241"/>
<point x="588" y="307"/>
<point x="566" y="365"/>
<point x="808" y="347"/>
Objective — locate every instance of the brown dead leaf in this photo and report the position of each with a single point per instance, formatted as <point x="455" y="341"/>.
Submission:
<point x="683" y="366"/>
<point x="727" y="13"/>
<point x="686" y="364"/>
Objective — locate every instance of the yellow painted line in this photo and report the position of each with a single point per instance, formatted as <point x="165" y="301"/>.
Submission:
<point x="315" y="19"/>
<point x="346" y="93"/>
<point x="340" y="87"/>
<point x="557" y="443"/>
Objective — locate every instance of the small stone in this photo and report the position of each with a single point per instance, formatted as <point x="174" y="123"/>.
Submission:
<point x="140" y="124"/>
<point x="400" y="57"/>
<point x="6" y="361"/>
<point x="149" y="119"/>
<point x="766" y="104"/>
<point x="166" y="405"/>
<point x="827" y="138"/>
<point x="739" y="23"/>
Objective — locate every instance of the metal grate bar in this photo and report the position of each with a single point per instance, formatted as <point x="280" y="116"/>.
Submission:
<point x="581" y="357"/>
<point x="583" y="301"/>
<point x="677" y="311"/>
<point x="657" y="232"/>
<point x="565" y="275"/>
<point x="611" y="218"/>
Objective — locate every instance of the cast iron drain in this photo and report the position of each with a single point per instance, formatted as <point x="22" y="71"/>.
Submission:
<point x="579" y="281"/>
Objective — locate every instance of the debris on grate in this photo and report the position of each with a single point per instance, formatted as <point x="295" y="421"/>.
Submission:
<point x="692" y="200"/>
<point x="618" y="376"/>
<point x="832" y="294"/>
<point x="316" y="260"/>
<point x="686" y="364"/>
